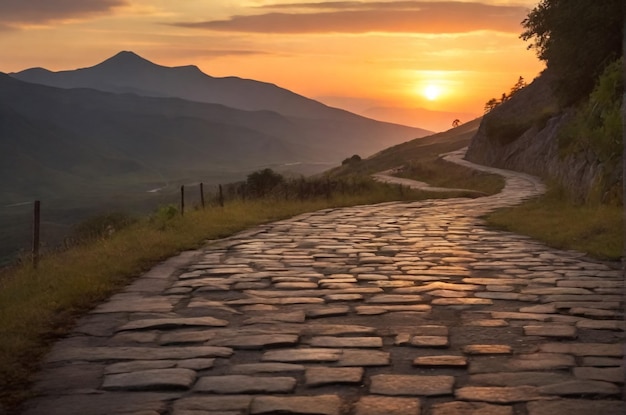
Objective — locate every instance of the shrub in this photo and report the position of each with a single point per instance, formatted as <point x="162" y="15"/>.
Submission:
<point x="101" y="226"/>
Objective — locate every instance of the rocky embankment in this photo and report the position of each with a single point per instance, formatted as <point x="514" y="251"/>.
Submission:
<point x="523" y="134"/>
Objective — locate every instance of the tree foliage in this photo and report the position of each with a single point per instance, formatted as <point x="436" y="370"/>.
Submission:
<point x="493" y="102"/>
<point x="351" y="160"/>
<point x="577" y="40"/>
<point x="263" y="181"/>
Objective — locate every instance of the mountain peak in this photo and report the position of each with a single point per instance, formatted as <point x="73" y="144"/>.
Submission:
<point x="126" y="58"/>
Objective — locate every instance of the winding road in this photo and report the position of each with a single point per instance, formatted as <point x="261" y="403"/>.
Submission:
<point x="392" y="309"/>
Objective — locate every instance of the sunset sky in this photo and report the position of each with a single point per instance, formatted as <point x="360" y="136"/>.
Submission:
<point x="438" y="55"/>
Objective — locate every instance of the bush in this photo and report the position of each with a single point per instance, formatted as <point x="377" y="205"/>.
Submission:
<point x="351" y="160"/>
<point x="101" y="226"/>
<point x="262" y="182"/>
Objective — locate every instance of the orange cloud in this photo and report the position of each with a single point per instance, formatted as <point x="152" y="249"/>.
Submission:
<point x="33" y="12"/>
<point x="360" y="17"/>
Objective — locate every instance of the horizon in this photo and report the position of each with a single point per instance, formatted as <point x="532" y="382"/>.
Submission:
<point x="388" y="60"/>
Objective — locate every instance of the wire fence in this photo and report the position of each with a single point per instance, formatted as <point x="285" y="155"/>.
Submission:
<point x="33" y="228"/>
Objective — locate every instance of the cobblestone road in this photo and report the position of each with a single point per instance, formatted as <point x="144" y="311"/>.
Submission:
<point x="393" y="309"/>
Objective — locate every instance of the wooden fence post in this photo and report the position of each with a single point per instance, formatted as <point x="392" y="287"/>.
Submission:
<point x="202" y="194"/>
<point x="36" y="231"/>
<point x="182" y="200"/>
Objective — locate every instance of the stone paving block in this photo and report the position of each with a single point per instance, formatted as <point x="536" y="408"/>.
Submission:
<point x="429" y="341"/>
<point x="327" y="311"/>
<point x="237" y="403"/>
<point x="580" y="387"/>
<point x="394" y="299"/>
<point x="507" y="296"/>
<point x="241" y="384"/>
<point x="539" y="309"/>
<point x="508" y="315"/>
<point x="196" y="364"/>
<point x="555" y="290"/>
<point x="343" y="297"/>
<point x="364" y="358"/>
<point x="411" y="385"/>
<point x="616" y="325"/>
<point x="538" y="378"/>
<point x="336" y="330"/>
<point x="470" y="408"/>
<point x="295" y="285"/>
<point x="499" y="394"/>
<point x="486" y="323"/>
<point x="593" y="312"/>
<point x="566" y="332"/>
<point x="481" y="349"/>
<point x="584" y="349"/>
<point x="448" y="293"/>
<point x="385" y="405"/>
<point x="440" y="361"/>
<point x="602" y="361"/>
<point x="297" y="405"/>
<point x="302" y="355"/>
<point x="293" y="317"/>
<point x="382" y="309"/>
<point x="317" y="376"/>
<point x="462" y="301"/>
<point x="604" y="305"/>
<point x="259" y="341"/>
<point x="138" y="365"/>
<point x="155" y="379"/>
<point x="329" y="341"/>
<point x="136" y="353"/>
<point x="538" y="361"/>
<point x="253" y="368"/>
<point x="181" y="337"/>
<point x="500" y="288"/>
<point x="576" y="407"/>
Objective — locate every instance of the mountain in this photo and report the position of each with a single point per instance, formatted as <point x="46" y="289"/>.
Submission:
<point x="128" y="72"/>
<point x="82" y="150"/>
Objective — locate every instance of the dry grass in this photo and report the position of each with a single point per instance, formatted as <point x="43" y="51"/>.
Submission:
<point x="554" y="219"/>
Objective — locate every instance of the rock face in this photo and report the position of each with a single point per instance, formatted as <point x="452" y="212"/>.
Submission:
<point x="523" y="134"/>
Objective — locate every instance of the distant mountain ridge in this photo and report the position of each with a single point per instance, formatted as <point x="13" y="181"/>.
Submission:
<point x="127" y="72"/>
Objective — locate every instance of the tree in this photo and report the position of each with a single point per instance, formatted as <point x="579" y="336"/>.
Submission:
<point x="491" y="104"/>
<point x="520" y="84"/>
<point x="351" y="160"/>
<point x="576" y="39"/>
<point x="263" y="181"/>
<point x="456" y="123"/>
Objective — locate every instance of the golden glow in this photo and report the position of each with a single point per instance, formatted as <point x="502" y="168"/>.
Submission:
<point x="431" y="92"/>
<point x="372" y="66"/>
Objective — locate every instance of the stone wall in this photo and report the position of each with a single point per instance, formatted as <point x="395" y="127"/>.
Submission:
<point x="525" y="138"/>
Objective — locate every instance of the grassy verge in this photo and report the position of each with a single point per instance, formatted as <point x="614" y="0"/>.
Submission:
<point x="557" y="221"/>
<point x="440" y="173"/>
<point x="38" y="306"/>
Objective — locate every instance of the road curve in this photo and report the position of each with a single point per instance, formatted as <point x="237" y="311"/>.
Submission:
<point x="395" y="309"/>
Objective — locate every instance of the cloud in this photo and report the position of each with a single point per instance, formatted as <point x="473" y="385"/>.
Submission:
<point x="15" y="13"/>
<point x="362" y="17"/>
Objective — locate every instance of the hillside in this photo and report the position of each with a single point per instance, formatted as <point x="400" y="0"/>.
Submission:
<point x="127" y="72"/>
<point x="82" y="150"/>
<point x="533" y="133"/>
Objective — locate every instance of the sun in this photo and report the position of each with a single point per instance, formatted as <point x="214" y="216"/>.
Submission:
<point x="431" y="92"/>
